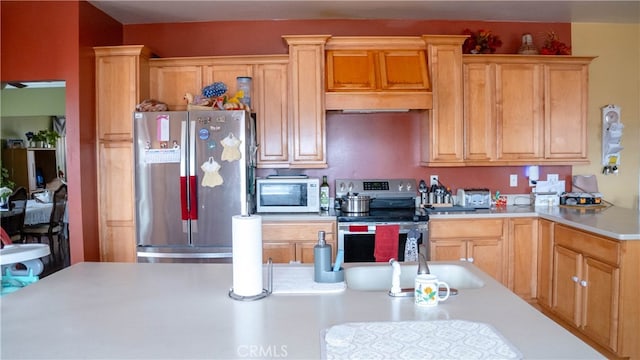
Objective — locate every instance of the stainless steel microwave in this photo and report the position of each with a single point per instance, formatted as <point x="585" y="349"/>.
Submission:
<point x="287" y="195"/>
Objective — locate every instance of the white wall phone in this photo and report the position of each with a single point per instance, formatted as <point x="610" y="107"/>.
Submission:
<point x="611" y="139"/>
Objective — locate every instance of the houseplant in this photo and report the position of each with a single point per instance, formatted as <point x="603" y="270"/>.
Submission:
<point x="45" y="138"/>
<point x="481" y="42"/>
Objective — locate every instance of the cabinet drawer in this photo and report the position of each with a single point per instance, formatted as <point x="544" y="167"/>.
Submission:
<point x="296" y="231"/>
<point x="461" y="229"/>
<point x="591" y="245"/>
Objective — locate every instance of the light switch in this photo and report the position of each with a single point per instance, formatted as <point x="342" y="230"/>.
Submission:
<point x="513" y="180"/>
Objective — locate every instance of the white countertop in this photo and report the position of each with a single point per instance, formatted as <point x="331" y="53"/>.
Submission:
<point x="179" y="311"/>
<point x="614" y="222"/>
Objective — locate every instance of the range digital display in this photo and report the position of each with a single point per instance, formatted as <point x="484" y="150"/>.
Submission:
<point x="375" y="185"/>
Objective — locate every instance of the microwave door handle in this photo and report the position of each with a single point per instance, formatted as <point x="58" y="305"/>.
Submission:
<point x="193" y="198"/>
<point x="183" y="171"/>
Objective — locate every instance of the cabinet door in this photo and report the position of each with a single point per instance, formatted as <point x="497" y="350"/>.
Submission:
<point x="122" y="75"/>
<point x="566" y="289"/>
<point x="448" y="250"/>
<point x="489" y="256"/>
<point x="523" y="261"/>
<point x="599" y="284"/>
<point x="228" y="74"/>
<point x="479" y="114"/>
<point x="169" y="84"/>
<point x="566" y="106"/>
<point x="351" y="70"/>
<point x="545" y="261"/>
<point x="443" y="135"/>
<point x="304" y="249"/>
<point x="271" y="106"/>
<point x="403" y="70"/>
<point x="116" y="202"/>
<point x="519" y="111"/>
<point x="306" y="71"/>
<point x="304" y="252"/>
<point x="20" y="170"/>
<point x="279" y="252"/>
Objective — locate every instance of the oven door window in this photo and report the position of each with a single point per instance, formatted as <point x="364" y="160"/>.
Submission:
<point x="283" y="194"/>
<point x="359" y="247"/>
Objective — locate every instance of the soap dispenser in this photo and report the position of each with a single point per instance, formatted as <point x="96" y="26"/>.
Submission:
<point x="321" y="257"/>
<point x="322" y="271"/>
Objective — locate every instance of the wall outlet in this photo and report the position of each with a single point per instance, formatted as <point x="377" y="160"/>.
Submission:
<point x="433" y="180"/>
<point x="513" y="180"/>
<point x="552" y="177"/>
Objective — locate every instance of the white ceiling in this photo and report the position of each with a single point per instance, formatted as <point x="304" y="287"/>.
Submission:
<point x="148" y="11"/>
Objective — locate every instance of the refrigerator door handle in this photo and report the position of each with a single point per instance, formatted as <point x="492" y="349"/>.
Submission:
<point x="183" y="171"/>
<point x="193" y="183"/>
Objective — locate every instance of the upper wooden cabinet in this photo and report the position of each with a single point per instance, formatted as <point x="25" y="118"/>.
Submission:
<point x="517" y="110"/>
<point x="122" y="81"/>
<point x="376" y="73"/>
<point x="172" y="78"/>
<point x="376" y="70"/>
<point x="272" y="106"/>
<point x="307" y="106"/>
<point x="522" y="110"/>
<point x="442" y="127"/>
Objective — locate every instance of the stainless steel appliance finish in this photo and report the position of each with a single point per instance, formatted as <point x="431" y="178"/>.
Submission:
<point x="355" y="203"/>
<point x="288" y="194"/>
<point x="475" y="198"/>
<point x="193" y="172"/>
<point x="392" y="203"/>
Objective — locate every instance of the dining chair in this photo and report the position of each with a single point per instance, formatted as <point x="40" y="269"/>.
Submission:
<point x="14" y="224"/>
<point x="55" y="226"/>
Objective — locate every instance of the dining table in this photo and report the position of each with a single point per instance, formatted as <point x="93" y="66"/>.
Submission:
<point x="36" y="212"/>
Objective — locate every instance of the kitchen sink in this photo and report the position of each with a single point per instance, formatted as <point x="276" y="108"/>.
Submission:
<point x="377" y="277"/>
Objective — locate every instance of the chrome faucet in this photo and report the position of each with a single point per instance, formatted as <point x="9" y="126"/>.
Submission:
<point x="423" y="267"/>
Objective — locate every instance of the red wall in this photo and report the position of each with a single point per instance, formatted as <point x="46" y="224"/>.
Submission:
<point x="52" y="40"/>
<point x="388" y="145"/>
<point x="264" y="37"/>
<point x="358" y="146"/>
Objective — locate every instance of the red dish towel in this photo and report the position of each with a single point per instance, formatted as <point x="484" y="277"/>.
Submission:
<point x="387" y="242"/>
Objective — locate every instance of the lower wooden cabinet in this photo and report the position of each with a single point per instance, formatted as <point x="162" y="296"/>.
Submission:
<point x="545" y="262"/>
<point x="523" y="257"/>
<point x="117" y="220"/>
<point x="586" y="284"/>
<point x="293" y="241"/>
<point x="480" y="241"/>
<point x="505" y="248"/>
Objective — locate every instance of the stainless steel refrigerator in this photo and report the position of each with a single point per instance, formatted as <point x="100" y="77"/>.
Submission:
<point x="193" y="171"/>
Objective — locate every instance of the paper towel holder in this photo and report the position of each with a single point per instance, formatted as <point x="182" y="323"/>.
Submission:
<point x="264" y="293"/>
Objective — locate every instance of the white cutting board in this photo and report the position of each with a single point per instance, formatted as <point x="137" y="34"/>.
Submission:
<point x="291" y="279"/>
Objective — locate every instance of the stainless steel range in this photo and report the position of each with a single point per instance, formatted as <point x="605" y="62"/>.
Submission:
<point x="391" y="202"/>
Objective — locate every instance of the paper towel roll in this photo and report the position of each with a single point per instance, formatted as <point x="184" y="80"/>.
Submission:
<point x="247" y="255"/>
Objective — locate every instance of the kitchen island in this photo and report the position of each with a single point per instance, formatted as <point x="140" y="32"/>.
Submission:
<point x="182" y="311"/>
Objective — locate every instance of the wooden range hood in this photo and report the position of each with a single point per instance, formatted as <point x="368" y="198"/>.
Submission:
<point x="377" y="73"/>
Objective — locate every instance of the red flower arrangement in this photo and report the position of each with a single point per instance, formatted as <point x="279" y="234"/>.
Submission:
<point x="482" y="42"/>
<point x="553" y="46"/>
